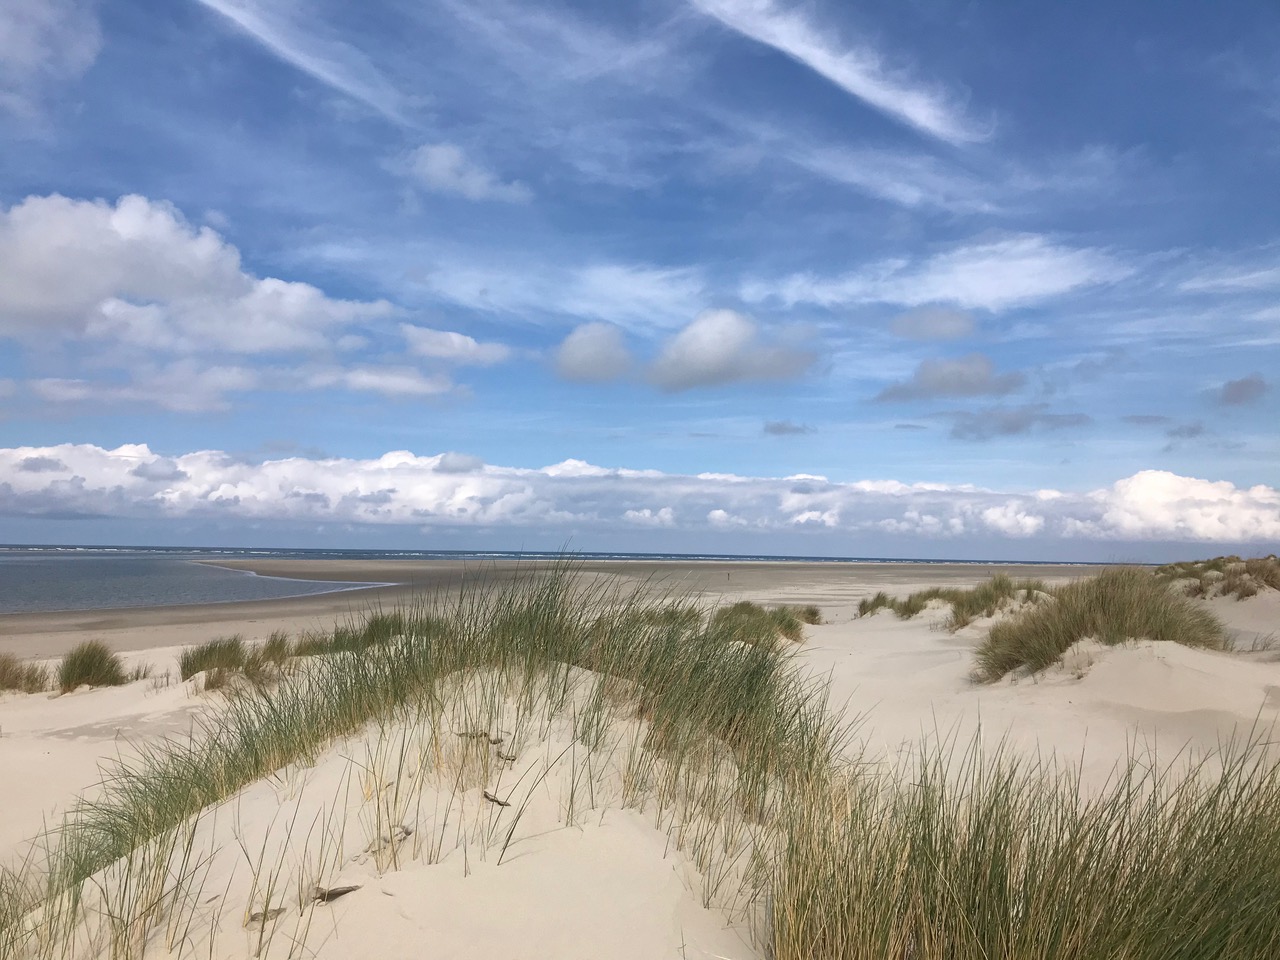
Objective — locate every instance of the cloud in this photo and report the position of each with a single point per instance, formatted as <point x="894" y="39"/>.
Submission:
<point x="908" y="179"/>
<point x="995" y="276"/>
<point x="932" y="323"/>
<point x="43" y="44"/>
<point x="635" y="296"/>
<point x="858" y="71"/>
<point x="184" y="387"/>
<point x="1146" y="419"/>
<point x="969" y="376"/>
<point x="452" y="347"/>
<point x="137" y="273"/>
<point x="784" y="428"/>
<point x="41" y="465"/>
<point x="720" y="347"/>
<point x="593" y="353"/>
<point x="1186" y="431"/>
<point x="1235" y="393"/>
<point x="329" y="60"/>
<point x="1011" y="421"/>
<point x="402" y="488"/>
<point x="388" y="381"/>
<point x="444" y="168"/>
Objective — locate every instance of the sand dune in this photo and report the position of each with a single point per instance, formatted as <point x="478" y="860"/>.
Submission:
<point x="597" y="880"/>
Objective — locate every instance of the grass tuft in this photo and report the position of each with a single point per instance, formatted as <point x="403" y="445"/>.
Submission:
<point x="226" y="653"/>
<point x="1115" y="606"/>
<point x="91" y="663"/>
<point x="20" y="675"/>
<point x="984" y="600"/>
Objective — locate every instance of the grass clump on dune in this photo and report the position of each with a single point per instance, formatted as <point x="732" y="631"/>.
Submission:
<point x="93" y="664"/>
<point x="1228" y="576"/>
<point x="984" y="600"/>
<point x="224" y="653"/>
<point x="19" y="675"/>
<point x="1117" y="605"/>
<point x="751" y="623"/>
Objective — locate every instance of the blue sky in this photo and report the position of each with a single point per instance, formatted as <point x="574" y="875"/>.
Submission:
<point x="979" y="278"/>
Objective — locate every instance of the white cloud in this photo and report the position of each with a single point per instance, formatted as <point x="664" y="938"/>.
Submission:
<point x="330" y="60"/>
<point x="992" y="276"/>
<point x="723" y="346"/>
<point x="183" y="386"/>
<point x="388" y="381"/>
<point x="43" y="43"/>
<point x="452" y="347"/>
<point x="138" y="273"/>
<point x="859" y="71"/>
<point x="634" y="296"/>
<point x="910" y="180"/>
<point x="444" y="168"/>
<point x="593" y="353"/>
<point x="452" y="489"/>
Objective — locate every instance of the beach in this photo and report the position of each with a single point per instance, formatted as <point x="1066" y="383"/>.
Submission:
<point x="902" y="681"/>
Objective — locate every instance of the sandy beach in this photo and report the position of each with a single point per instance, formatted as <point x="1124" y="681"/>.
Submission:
<point x="905" y="680"/>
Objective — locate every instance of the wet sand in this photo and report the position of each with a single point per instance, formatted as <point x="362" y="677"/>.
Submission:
<point x="142" y="628"/>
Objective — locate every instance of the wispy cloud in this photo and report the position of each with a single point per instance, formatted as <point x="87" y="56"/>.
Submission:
<point x="445" y="168"/>
<point x="991" y="276"/>
<point x="279" y="26"/>
<point x="43" y="43"/>
<point x="858" y="70"/>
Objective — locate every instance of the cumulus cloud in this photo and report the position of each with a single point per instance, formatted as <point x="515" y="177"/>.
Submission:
<point x="43" y="44"/>
<point x="388" y="381"/>
<point x="452" y="347"/>
<point x="594" y="353"/>
<point x="933" y="323"/>
<point x="969" y="376"/>
<point x="136" y="272"/>
<point x="445" y="168"/>
<point x="453" y="490"/>
<point x="994" y="275"/>
<point x="1011" y="421"/>
<point x="720" y="347"/>
<point x="1235" y="393"/>
<point x="784" y="428"/>
<point x="41" y="465"/>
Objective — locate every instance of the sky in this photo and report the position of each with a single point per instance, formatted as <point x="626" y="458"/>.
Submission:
<point x="902" y="278"/>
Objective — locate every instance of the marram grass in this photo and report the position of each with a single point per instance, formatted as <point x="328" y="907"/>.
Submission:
<point x="954" y="856"/>
<point x="91" y="663"/>
<point x="1126" y="603"/>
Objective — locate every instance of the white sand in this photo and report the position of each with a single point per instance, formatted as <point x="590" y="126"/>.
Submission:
<point x="610" y="885"/>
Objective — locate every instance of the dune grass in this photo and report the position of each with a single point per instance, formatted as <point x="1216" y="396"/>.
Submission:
<point x="1224" y="576"/>
<point x="984" y="600"/>
<point x="1117" y="605"/>
<point x="752" y="623"/>
<point x="91" y="663"/>
<point x="955" y="856"/>
<point x="21" y="675"/>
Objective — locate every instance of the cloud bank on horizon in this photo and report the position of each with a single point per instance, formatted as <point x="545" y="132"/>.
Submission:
<point x="756" y="250"/>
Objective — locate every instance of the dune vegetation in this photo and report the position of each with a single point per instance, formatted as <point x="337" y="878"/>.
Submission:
<point x="452" y="717"/>
<point x="92" y="664"/>
<point x="19" y="675"/>
<point x="1125" y="603"/>
<point x="1228" y="576"/>
<point x="984" y="600"/>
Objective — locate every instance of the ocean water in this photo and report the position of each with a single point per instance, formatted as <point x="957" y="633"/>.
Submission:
<point x="47" y="578"/>
<point x="34" y="582"/>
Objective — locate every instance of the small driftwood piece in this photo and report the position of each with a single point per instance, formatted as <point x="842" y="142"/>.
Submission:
<point x="509" y="757"/>
<point x="493" y="799"/>
<point x="328" y="895"/>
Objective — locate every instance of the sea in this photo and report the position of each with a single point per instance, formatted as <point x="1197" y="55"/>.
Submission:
<point x="45" y="578"/>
